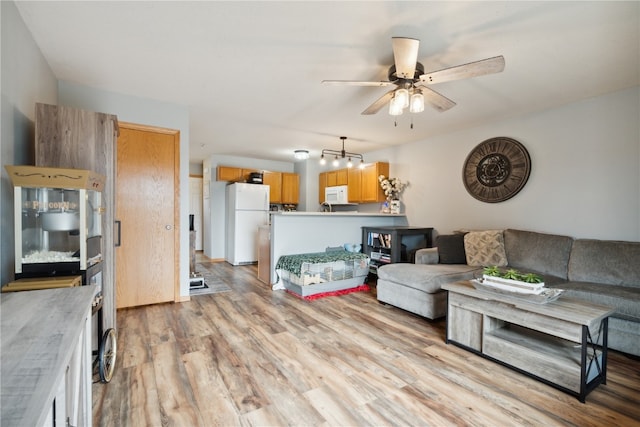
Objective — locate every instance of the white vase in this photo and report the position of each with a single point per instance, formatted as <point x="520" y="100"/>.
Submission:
<point x="395" y="206"/>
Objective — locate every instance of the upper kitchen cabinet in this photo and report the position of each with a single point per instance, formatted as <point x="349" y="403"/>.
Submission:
<point x="228" y="173"/>
<point x="274" y="181"/>
<point x="354" y="185"/>
<point x="233" y="174"/>
<point x="290" y="188"/>
<point x="322" y="184"/>
<point x="331" y="179"/>
<point x="371" y="192"/>
<point x="363" y="184"/>
<point x="284" y="187"/>
<point x="78" y="139"/>
<point x="337" y="177"/>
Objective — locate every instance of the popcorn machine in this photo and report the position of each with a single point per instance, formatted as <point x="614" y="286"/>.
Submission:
<point x="57" y="222"/>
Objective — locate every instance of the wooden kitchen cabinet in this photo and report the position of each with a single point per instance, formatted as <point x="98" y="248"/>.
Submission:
<point x="363" y="184"/>
<point x="229" y="173"/>
<point x="322" y="184"/>
<point x="234" y="174"/>
<point x="284" y="187"/>
<point x="274" y="181"/>
<point x="331" y="179"/>
<point x="337" y="177"/>
<point x="371" y="192"/>
<point x="290" y="188"/>
<point x="354" y="185"/>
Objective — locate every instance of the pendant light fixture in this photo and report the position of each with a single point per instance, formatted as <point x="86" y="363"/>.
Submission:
<point x="341" y="155"/>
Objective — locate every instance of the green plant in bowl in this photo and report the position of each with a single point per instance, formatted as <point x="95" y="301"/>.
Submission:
<point x="531" y="278"/>
<point x="511" y="274"/>
<point x="491" y="271"/>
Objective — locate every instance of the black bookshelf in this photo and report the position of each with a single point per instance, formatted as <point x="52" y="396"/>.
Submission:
<point x="385" y="245"/>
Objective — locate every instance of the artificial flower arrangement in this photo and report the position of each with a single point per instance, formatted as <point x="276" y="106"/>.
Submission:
<point x="392" y="187"/>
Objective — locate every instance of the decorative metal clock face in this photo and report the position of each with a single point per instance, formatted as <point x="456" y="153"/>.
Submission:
<point x="496" y="169"/>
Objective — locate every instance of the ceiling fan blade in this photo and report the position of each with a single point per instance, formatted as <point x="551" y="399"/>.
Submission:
<point x="405" y="56"/>
<point x="379" y="103"/>
<point x="465" y="71"/>
<point x="437" y="100"/>
<point x="356" y="83"/>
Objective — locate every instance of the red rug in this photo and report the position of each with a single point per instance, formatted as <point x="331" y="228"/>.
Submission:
<point x="360" y="288"/>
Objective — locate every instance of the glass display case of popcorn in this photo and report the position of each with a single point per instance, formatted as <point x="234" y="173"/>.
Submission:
<point x="57" y="222"/>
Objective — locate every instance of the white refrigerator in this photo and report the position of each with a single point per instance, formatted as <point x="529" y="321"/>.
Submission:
<point x="247" y="209"/>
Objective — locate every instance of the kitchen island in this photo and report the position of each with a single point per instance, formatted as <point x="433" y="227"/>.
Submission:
<point x="305" y="232"/>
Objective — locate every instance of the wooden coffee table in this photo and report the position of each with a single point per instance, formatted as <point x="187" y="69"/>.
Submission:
<point x="562" y="343"/>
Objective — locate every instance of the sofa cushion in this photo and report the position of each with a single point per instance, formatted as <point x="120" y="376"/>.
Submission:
<point x="605" y="261"/>
<point x="544" y="253"/>
<point x="451" y="249"/>
<point x="427" y="278"/>
<point x="626" y="300"/>
<point x="485" y="248"/>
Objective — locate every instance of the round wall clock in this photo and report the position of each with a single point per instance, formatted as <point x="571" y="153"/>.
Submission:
<point x="496" y="169"/>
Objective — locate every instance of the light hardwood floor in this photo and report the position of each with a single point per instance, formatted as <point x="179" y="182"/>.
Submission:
<point x="253" y="356"/>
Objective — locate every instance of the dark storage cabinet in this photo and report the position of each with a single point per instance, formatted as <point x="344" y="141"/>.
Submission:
<point x="393" y="244"/>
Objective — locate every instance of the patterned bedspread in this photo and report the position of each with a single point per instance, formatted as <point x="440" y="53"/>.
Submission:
<point x="293" y="263"/>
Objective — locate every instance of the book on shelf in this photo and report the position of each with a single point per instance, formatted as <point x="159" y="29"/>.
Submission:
<point x="379" y="240"/>
<point x="380" y="257"/>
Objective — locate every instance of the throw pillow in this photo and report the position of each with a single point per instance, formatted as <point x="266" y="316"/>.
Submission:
<point x="485" y="248"/>
<point x="451" y="249"/>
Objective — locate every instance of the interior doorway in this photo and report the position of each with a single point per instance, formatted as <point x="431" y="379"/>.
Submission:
<point x="195" y="207"/>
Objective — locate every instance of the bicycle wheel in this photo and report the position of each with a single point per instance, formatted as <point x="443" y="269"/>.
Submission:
<point x="107" y="355"/>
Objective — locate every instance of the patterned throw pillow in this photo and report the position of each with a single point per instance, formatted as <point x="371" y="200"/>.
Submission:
<point x="485" y="248"/>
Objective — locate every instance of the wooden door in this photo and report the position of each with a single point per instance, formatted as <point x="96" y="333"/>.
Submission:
<point x="147" y="193"/>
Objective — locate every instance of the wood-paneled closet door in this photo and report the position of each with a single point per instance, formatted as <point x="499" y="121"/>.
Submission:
<point x="147" y="185"/>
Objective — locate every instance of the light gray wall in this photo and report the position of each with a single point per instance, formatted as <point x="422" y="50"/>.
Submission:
<point x="26" y="80"/>
<point x="147" y="112"/>
<point x="585" y="178"/>
<point x="214" y="208"/>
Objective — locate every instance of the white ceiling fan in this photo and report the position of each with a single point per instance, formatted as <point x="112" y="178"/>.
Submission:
<point x="412" y="83"/>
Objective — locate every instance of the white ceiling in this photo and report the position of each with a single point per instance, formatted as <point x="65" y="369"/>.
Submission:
<point x="250" y="72"/>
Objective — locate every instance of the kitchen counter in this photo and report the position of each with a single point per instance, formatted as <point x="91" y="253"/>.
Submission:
<point x="345" y="213"/>
<point x="307" y="232"/>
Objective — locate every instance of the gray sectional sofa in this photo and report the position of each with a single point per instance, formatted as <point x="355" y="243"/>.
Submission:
<point x="600" y="271"/>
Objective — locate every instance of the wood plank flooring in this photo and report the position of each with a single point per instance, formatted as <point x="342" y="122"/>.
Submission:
<point x="253" y="356"/>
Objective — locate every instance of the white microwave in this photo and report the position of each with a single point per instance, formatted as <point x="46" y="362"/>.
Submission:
<point x="337" y="195"/>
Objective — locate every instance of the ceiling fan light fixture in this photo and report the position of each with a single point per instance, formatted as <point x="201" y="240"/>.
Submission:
<point x="402" y="97"/>
<point x="394" y="108"/>
<point x="417" y="103"/>
<point x="301" y="154"/>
